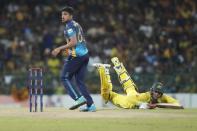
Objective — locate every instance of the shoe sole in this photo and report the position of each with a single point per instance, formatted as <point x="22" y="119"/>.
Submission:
<point x="103" y="65"/>
<point x="77" y="106"/>
<point x="87" y="110"/>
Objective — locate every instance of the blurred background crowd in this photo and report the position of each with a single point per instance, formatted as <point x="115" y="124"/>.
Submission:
<point x="155" y="39"/>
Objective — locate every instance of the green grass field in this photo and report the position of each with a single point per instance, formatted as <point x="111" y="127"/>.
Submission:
<point x="59" y="119"/>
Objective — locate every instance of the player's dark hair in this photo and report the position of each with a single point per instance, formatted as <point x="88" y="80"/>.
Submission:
<point x="68" y="9"/>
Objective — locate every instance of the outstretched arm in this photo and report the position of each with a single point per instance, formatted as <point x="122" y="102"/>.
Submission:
<point x="160" y="105"/>
<point x="169" y="105"/>
<point x="169" y="102"/>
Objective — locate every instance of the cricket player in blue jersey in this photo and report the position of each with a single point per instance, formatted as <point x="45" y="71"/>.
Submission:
<point x="75" y="64"/>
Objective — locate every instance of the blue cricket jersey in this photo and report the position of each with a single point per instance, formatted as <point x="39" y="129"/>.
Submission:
<point x="73" y="29"/>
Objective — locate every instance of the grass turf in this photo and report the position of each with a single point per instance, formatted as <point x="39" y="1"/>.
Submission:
<point x="56" y="119"/>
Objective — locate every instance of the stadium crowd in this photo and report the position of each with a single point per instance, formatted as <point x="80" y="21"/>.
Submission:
<point x="151" y="37"/>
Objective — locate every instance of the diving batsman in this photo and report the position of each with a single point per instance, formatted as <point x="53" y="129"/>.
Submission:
<point x="133" y="99"/>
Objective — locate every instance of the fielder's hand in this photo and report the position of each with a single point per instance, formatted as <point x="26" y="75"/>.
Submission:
<point x="56" y="51"/>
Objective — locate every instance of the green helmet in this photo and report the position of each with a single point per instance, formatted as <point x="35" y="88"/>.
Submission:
<point x="157" y="87"/>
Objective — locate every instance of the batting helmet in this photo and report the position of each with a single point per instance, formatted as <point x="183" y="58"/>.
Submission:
<point x="157" y="87"/>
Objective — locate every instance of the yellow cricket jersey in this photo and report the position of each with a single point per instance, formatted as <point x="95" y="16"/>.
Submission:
<point x="133" y="100"/>
<point x="146" y="97"/>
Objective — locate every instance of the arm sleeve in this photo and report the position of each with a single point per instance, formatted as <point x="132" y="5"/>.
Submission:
<point x="144" y="97"/>
<point x="169" y="99"/>
<point x="71" y="32"/>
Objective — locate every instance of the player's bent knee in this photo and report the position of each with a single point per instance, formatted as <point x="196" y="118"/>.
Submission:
<point x="65" y="78"/>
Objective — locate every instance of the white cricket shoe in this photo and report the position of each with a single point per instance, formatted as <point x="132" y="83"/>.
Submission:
<point x="100" y="64"/>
